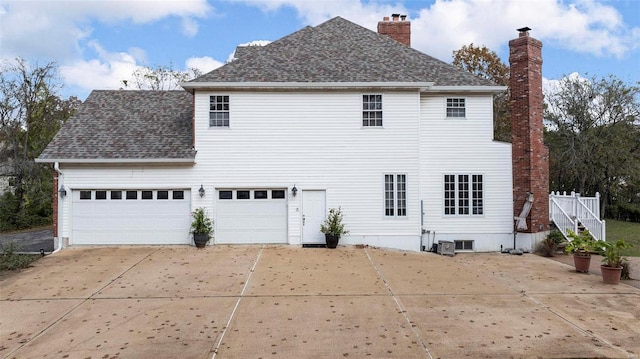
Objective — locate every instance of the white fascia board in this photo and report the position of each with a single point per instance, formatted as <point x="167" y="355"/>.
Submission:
<point x="468" y="89"/>
<point x="422" y="86"/>
<point x="116" y="160"/>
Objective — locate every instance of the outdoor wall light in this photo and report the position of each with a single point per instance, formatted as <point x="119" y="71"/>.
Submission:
<point x="62" y="191"/>
<point x="201" y="191"/>
<point x="294" y="190"/>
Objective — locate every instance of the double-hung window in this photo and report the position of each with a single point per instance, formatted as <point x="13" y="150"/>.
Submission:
<point x="372" y="110"/>
<point x="463" y="194"/>
<point x="219" y="111"/>
<point x="456" y="107"/>
<point x="395" y="195"/>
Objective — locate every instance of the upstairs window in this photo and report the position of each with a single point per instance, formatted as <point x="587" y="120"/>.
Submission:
<point x="372" y="110"/>
<point x="455" y="107"/>
<point x="219" y="111"/>
<point x="463" y="194"/>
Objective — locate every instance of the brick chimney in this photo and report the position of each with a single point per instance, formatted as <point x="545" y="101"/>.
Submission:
<point x="398" y="28"/>
<point x="529" y="154"/>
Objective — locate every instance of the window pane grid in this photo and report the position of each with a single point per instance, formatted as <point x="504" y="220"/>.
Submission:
<point x="395" y="195"/>
<point x="388" y="195"/>
<point x="219" y="111"/>
<point x="456" y="107"/>
<point x="463" y="194"/>
<point x="371" y="110"/>
<point x="402" y="195"/>
<point x="477" y="206"/>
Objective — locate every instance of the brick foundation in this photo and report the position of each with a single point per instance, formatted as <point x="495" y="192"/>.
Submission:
<point x="530" y="155"/>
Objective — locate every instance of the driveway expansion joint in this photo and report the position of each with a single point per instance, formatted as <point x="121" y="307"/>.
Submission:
<point x="400" y="307"/>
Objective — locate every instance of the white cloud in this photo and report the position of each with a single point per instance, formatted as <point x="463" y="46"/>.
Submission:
<point x="108" y="70"/>
<point x="583" y="26"/>
<point x="203" y="64"/>
<point x="105" y="72"/>
<point x="55" y="29"/>
<point x="316" y="12"/>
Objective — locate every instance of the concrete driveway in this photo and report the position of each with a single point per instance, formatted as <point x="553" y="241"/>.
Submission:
<point x="291" y="302"/>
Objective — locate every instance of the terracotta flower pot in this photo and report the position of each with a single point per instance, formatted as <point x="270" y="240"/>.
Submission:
<point x="611" y="275"/>
<point x="582" y="263"/>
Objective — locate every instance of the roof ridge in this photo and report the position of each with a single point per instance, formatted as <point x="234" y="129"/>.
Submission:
<point x="339" y="50"/>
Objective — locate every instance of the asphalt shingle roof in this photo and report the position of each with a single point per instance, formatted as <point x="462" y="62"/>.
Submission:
<point x="124" y="124"/>
<point x="340" y="51"/>
<point x="149" y="125"/>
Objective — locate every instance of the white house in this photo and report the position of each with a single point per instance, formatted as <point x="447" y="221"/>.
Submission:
<point x="330" y="116"/>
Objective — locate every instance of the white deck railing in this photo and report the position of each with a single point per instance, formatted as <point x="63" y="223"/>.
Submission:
<point x="567" y="210"/>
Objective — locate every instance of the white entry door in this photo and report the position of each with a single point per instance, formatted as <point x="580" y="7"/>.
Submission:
<point x="313" y="214"/>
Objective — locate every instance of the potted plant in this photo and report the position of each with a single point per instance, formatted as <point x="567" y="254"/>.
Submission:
<point x="613" y="261"/>
<point x="333" y="227"/>
<point x="581" y="245"/>
<point x="201" y="227"/>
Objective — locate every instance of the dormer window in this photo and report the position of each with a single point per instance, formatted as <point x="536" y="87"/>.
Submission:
<point x="456" y="107"/>
<point x="219" y="111"/>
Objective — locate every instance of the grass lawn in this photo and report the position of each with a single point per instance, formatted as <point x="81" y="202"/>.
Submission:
<point x="629" y="231"/>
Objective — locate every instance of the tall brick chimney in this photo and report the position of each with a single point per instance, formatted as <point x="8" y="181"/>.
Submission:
<point x="398" y="28"/>
<point x="530" y="155"/>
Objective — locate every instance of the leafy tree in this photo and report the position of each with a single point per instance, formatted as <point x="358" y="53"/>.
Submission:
<point x="31" y="113"/>
<point x="594" y="139"/>
<point x="486" y="64"/>
<point x="160" y="78"/>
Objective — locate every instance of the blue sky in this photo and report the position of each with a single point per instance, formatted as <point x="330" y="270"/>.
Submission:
<point x="99" y="43"/>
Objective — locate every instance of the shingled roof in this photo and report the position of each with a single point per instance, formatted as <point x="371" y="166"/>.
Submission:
<point x="145" y="126"/>
<point x="339" y="51"/>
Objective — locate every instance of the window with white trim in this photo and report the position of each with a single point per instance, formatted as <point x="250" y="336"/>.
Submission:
<point x="219" y="111"/>
<point x="463" y="194"/>
<point x="372" y="110"/>
<point x="456" y="107"/>
<point x="395" y="195"/>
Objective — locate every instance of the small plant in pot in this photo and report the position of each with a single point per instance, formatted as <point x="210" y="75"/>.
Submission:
<point x="333" y="227"/>
<point x="581" y="245"/>
<point x="201" y="227"/>
<point x="613" y="261"/>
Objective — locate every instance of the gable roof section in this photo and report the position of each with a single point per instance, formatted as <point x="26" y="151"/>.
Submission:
<point x="127" y="126"/>
<point x="338" y="51"/>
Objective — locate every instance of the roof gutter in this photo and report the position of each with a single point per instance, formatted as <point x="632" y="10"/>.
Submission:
<point x="468" y="89"/>
<point x="191" y="86"/>
<point x="116" y="160"/>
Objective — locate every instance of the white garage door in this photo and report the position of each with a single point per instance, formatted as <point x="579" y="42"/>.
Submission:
<point x="131" y="217"/>
<point x="251" y="216"/>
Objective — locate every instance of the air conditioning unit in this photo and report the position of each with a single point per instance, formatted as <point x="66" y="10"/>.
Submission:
<point x="447" y="248"/>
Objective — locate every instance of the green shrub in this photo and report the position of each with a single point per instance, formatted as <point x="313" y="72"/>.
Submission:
<point x="10" y="259"/>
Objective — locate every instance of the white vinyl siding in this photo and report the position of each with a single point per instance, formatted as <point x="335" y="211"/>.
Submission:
<point x="464" y="147"/>
<point x="287" y="138"/>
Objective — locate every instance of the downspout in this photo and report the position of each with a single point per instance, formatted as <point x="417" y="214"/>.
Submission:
<point x="56" y="167"/>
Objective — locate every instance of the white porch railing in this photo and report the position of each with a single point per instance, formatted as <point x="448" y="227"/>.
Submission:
<point x="569" y="211"/>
